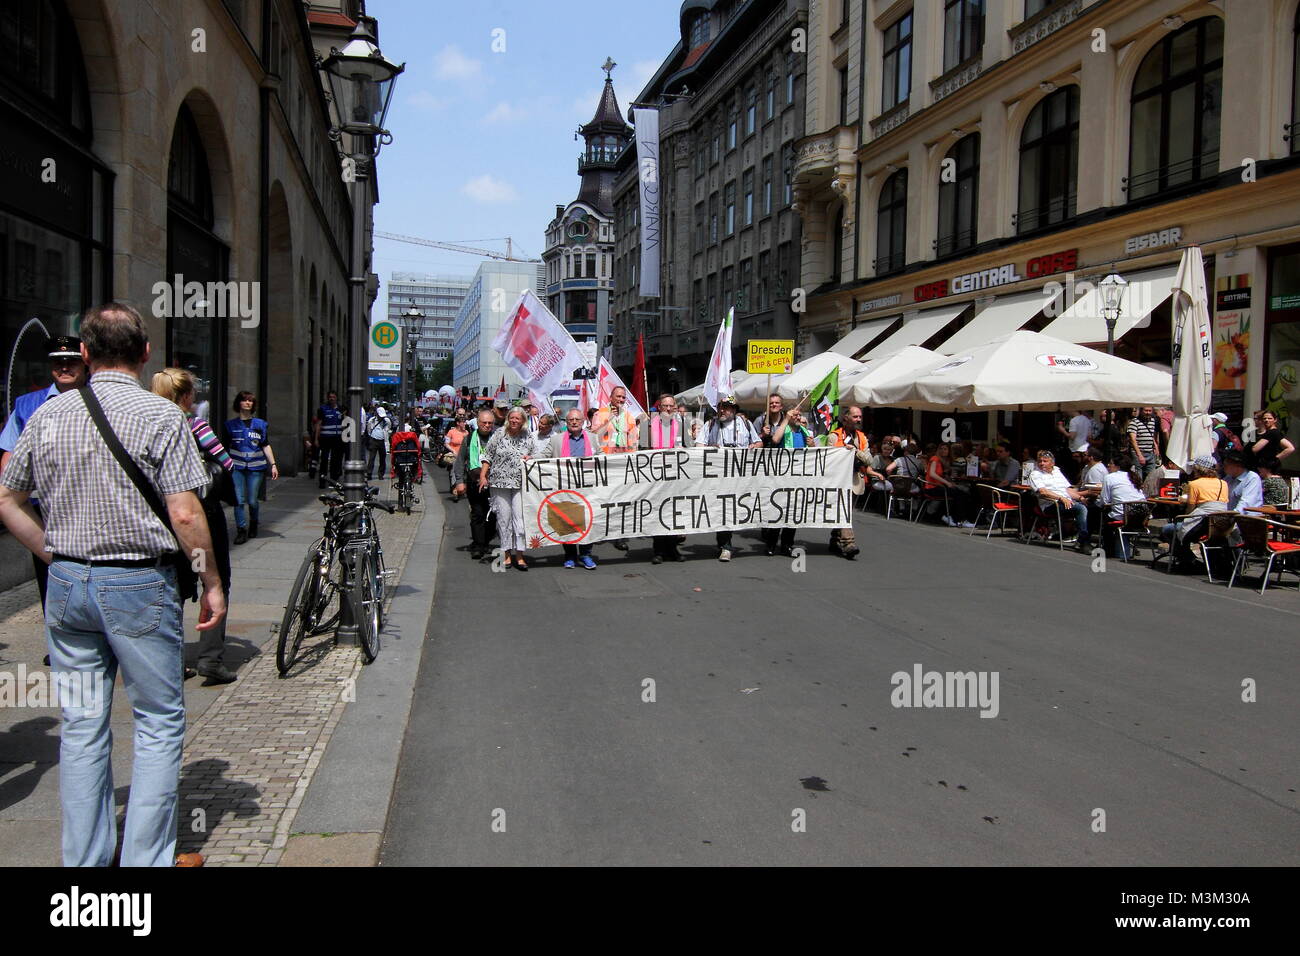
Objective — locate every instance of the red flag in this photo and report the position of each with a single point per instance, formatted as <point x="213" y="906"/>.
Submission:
<point x="638" y="374"/>
<point x="502" y="394"/>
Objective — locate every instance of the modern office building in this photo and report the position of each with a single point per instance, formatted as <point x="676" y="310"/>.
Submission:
<point x="1011" y="153"/>
<point x="438" y="300"/>
<point x="579" y="253"/>
<point x="491" y="295"/>
<point x="730" y="99"/>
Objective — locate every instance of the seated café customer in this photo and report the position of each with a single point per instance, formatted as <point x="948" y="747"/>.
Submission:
<point x="1004" y="470"/>
<point x="881" y="466"/>
<point x="1051" y="485"/>
<point x="1207" y="494"/>
<point x="1094" y="472"/>
<point x="1277" y="492"/>
<point x="1122" y="497"/>
<point x="939" y="461"/>
<point x="1245" y="490"/>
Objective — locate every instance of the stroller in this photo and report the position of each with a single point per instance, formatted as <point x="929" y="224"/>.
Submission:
<point x="407" y="468"/>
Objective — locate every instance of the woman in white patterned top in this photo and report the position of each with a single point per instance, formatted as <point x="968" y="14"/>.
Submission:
<point x="504" y="458"/>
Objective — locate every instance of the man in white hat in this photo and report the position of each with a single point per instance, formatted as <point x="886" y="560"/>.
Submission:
<point x="378" y="429"/>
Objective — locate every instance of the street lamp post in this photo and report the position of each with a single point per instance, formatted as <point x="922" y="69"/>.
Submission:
<point x="361" y="81"/>
<point x="413" y="367"/>
<point x="412" y="332"/>
<point x="1111" y="290"/>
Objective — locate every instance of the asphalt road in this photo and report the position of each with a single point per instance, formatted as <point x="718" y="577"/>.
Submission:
<point x="530" y="742"/>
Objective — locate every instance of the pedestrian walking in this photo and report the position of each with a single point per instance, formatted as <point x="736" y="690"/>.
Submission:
<point x="730" y="429"/>
<point x="665" y="428"/>
<point x="68" y="371"/>
<point x="849" y="434"/>
<point x="379" y="430"/>
<point x="327" y="432"/>
<point x="503" y="461"/>
<point x="465" y="473"/>
<point x="775" y="432"/>
<point x="575" y="442"/>
<point x="249" y="444"/>
<point x="177" y="386"/>
<point x="119" y="474"/>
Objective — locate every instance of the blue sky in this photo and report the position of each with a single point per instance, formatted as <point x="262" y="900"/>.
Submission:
<point x="483" y="141"/>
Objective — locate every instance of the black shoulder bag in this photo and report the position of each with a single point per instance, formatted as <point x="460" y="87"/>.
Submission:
<point x="187" y="580"/>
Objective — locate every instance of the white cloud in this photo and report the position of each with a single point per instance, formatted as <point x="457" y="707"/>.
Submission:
<point x="424" y="100"/>
<point x="487" y="188"/>
<point x="451" y="64"/>
<point x="503" y="112"/>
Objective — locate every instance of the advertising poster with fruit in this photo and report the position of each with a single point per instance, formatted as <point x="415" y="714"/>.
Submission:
<point x="1231" y="331"/>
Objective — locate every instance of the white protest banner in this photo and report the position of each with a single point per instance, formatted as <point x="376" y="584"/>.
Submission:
<point x="537" y="346"/>
<point x="647" y="155"/>
<point x="685" y="491"/>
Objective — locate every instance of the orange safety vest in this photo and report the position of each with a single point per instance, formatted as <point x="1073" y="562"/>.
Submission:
<point x="604" y="430"/>
<point x="860" y="443"/>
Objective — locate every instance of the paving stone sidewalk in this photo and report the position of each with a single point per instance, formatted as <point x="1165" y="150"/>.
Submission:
<point x="251" y="746"/>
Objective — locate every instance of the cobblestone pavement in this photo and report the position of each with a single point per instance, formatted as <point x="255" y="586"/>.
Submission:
<point x="251" y="746"/>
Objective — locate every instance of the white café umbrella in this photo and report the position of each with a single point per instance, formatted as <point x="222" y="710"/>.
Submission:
<point x="855" y="388"/>
<point x="1193" y="363"/>
<point x="803" y="378"/>
<point x="1024" y="370"/>
<point x="695" y="395"/>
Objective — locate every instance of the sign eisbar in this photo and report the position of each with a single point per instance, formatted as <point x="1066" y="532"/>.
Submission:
<point x="998" y="275"/>
<point x="685" y="491"/>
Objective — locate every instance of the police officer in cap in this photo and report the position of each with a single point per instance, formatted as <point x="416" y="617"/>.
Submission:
<point x="68" y="371"/>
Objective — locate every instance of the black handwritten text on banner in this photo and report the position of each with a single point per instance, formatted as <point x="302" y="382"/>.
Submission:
<point x="686" y="491"/>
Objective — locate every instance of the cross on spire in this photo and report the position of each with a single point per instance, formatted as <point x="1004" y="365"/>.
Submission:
<point x="608" y="66"/>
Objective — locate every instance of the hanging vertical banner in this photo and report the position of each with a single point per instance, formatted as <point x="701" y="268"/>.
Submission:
<point x="647" y="155"/>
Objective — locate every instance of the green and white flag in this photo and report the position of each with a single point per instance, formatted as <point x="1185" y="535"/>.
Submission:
<point x="825" y="399"/>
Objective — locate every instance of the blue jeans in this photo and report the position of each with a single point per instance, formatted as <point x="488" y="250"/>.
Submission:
<point x="100" y="619"/>
<point x="248" y="485"/>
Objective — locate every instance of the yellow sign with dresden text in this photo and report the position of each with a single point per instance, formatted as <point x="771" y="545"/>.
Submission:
<point x="769" y="356"/>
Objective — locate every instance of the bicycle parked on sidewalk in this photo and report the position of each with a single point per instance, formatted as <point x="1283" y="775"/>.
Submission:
<point x="346" y="564"/>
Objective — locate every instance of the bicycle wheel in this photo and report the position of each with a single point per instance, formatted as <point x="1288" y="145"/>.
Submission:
<point x="381" y="579"/>
<point x="365" y="607"/>
<point x="298" y="612"/>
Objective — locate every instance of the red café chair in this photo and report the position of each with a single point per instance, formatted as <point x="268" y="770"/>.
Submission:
<point x="1133" y="524"/>
<point x="1000" y="504"/>
<point x="928" y="496"/>
<point x="1043" y="522"/>
<point x="1257" y="545"/>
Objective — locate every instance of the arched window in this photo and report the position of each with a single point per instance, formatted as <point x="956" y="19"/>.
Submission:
<point x="891" y="224"/>
<point x="43" y="62"/>
<point x="1175" y="111"/>
<point x="959" y="186"/>
<point x="1049" y="161"/>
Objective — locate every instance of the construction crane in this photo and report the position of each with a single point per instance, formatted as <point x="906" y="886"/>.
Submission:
<point x="508" y="256"/>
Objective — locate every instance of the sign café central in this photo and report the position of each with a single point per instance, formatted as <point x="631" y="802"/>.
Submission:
<point x="998" y="275"/>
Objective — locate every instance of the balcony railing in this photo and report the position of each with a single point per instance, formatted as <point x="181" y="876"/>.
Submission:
<point x="1056" y="210"/>
<point x="1185" y="172"/>
<point x="889" y="263"/>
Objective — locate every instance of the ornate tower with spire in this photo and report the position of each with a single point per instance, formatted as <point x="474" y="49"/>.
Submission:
<point x="579" y="249"/>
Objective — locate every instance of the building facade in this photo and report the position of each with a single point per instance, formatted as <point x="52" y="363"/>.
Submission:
<point x="730" y="98"/>
<point x="176" y="156"/>
<point x="438" y="300"/>
<point x="1011" y="153"/>
<point x="491" y="295"/>
<point x="579" y="255"/>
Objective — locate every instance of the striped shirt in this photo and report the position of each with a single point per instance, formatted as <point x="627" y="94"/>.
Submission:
<point x="92" y="509"/>
<point x="209" y="444"/>
<point x="1145" y="433"/>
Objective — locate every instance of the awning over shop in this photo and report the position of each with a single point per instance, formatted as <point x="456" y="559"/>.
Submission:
<point x="1007" y="314"/>
<point x="1084" y="323"/>
<point x="862" y="336"/>
<point x="916" y="330"/>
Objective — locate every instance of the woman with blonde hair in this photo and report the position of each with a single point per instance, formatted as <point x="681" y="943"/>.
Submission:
<point x="177" y="385"/>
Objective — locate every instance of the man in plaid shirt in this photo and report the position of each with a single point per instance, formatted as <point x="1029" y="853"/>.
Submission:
<point x="112" y="600"/>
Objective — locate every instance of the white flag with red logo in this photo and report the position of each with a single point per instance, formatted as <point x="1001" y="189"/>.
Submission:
<point x="537" y="346"/>
<point x="609" y="381"/>
<point x="717" y="383"/>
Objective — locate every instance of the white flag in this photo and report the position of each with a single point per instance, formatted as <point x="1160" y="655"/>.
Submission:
<point x="609" y="381"/>
<point x="717" y="383"/>
<point x="537" y="346"/>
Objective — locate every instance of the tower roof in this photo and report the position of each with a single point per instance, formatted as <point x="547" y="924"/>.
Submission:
<point x="608" y="118"/>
